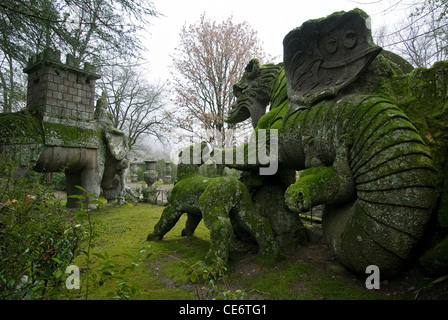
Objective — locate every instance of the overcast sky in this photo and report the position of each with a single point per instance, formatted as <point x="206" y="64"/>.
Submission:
<point x="272" y="20"/>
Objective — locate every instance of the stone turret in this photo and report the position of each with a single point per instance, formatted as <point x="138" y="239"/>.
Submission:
<point x="61" y="92"/>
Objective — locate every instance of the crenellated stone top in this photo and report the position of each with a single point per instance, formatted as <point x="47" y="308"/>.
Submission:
<point x="51" y="57"/>
<point x="59" y="92"/>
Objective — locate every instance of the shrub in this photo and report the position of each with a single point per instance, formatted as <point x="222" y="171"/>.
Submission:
<point x="58" y="181"/>
<point x="38" y="238"/>
<point x="150" y="195"/>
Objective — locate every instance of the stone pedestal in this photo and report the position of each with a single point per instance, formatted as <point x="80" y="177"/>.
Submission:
<point x="133" y="167"/>
<point x="167" y="177"/>
<point x="150" y="174"/>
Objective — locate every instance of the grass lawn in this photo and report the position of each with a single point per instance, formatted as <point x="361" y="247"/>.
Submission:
<point x="307" y="273"/>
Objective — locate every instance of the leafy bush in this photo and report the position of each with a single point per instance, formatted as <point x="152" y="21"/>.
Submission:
<point x="150" y="195"/>
<point x="38" y="237"/>
<point x="58" y="181"/>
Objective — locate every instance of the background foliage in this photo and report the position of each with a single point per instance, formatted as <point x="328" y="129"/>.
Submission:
<point x="38" y="237"/>
<point x="209" y="60"/>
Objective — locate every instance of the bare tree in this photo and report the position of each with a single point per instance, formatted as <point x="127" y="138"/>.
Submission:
<point x="12" y="84"/>
<point x="210" y="58"/>
<point x="97" y="31"/>
<point x="421" y="37"/>
<point x="101" y="31"/>
<point x="380" y="35"/>
<point x="135" y="106"/>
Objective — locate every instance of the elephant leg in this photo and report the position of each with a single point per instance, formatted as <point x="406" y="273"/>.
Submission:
<point x="111" y="194"/>
<point x="81" y="169"/>
<point x="72" y="179"/>
<point x="220" y="236"/>
<point x="122" y="194"/>
<point x="167" y="221"/>
<point x="191" y="224"/>
<point x="259" y="227"/>
<point x="90" y="181"/>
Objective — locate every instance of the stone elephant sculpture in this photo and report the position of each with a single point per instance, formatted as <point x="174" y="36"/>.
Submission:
<point x="339" y="124"/>
<point x="92" y="157"/>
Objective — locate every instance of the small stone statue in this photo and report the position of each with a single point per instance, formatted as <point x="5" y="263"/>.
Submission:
<point x="101" y="114"/>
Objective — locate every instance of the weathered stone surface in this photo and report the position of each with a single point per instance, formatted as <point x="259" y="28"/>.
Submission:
<point x="59" y="131"/>
<point x="396" y="160"/>
<point x="60" y="92"/>
<point x="325" y="55"/>
<point x="254" y="92"/>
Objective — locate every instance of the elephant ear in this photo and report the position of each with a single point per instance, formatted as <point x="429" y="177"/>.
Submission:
<point x="117" y="143"/>
<point x="326" y="55"/>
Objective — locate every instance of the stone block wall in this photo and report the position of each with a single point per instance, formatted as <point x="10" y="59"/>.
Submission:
<point x="60" y="92"/>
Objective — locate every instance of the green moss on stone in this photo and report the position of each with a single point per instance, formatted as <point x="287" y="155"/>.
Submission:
<point x="313" y="183"/>
<point x="58" y="134"/>
<point x="20" y="128"/>
<point x="435" y="261"/>
<point x="375" y="111"/>
<point x="423" y="96"/>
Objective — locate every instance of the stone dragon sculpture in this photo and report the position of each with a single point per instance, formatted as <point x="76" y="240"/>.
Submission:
<point x="358" y="153"/>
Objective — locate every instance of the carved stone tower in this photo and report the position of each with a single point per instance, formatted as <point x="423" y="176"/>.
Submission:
<point x="61" y="93"/>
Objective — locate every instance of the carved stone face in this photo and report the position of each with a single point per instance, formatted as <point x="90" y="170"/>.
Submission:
<point x="252" y="93"/>
<point x="326" y="55"/>
<point x="240" y="108"/>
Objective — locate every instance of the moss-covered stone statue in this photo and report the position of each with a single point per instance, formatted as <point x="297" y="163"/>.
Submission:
<point x="368" y="139"/>
<point x="60" y="129"/>
<point x="222" y="202"/>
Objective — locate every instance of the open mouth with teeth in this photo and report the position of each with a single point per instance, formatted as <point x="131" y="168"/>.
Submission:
<point x="238" y="113"/>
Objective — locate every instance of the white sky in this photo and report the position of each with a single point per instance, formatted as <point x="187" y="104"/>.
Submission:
<point x="272" y="19"/>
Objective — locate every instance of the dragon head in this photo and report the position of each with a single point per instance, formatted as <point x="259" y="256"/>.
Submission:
<point x="253" y="92"/>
